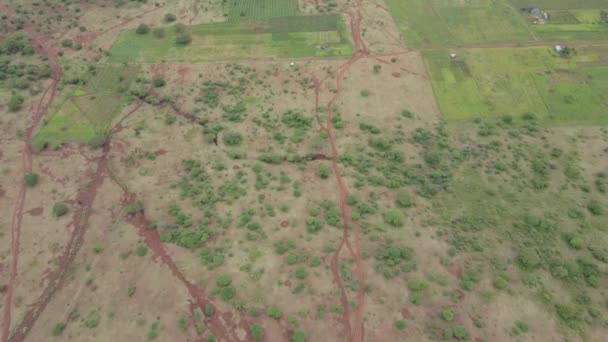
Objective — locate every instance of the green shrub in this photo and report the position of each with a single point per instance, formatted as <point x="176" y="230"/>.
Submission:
<point x="365" y="93"/>
<point x="58" y="328"/>
<point x="394" y="217"/>
<point x="224" y="280"/>
<point x="97" y="140"/>
<point x="448" y="315"/>
<point x="292" y="259"/>
<point x="31" y="179"/>
<point x="232" y="138"/>
<point x="575" y="241"/>
<point x="400" y="324"/>
<point x="170" y="17"/>
<point x="528" y="259"/>
<point x="324" y="171"/>
<point x="227" y="293"/>
<point x="158" y="82"/>
<point x="416" y="285"/>
<point x="257" y="332"/>
<point x="595" y="207"/>
<point x="15" y="102"/>
<point x="301" y="273"/>
<point x="274" y="312"/>
<point x="142" y="29"/>
<point x="60" y="209"/>
<point x="299" y="336"/>
<point x="183" y="39"/>
<point x="404" y="199"/>
<point x="141" y="251"/>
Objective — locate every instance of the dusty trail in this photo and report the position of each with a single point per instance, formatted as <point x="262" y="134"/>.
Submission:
<point x="353" y="332"/>
<point x="38" y="112"/>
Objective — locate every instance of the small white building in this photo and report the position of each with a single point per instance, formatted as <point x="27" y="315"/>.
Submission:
<point x="559" y="48"/>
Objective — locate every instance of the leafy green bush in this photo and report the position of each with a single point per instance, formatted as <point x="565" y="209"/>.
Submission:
<point x="292" y="259"/>
<point x="416" y="285"/>
<point x="528" y="259"/>
<point x="324" y="171"/>
<point x="60" y="209"/>
<point x="224" y="280"/>
<point x="404" y="199"/>
<point x="158" y="82"/>
<point x="227" y="293"/>
<point x="394" y="217"/>
<point x="141" y="251"/>
<point x="301" y="273"/>
<point x="274" y="312"/>
<point x="257" y="332"/>
<point x="58" y="328"/>
<point x="183" y="39"/>
<point x="400" y="324"/>
<point x="142" y="29"/>
<point x="232" y="138"/>
<point x="169" y="17"/>
<point x="299" y="336"/>
<point x="448" y="315"/>
<point x="15" y="102"/>
<point x="595" y="207"/>
<point x="97" y="140"/>
<point x="31" y="179"/>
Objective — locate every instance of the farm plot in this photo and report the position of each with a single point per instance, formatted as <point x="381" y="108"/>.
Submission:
<point x="238" y="10"/>
<point x="451" y="23"/>
<point x="572" y="25"/>
<point x="88" y="111"/>
<point x="525" y="82"/>
<point x="306" y="36"/>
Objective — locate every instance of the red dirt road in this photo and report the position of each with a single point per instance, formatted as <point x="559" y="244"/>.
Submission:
<point x="353" y="332"/>
<point x="39" y="110"/>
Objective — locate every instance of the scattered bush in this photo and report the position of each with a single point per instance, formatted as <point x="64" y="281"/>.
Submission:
<point x="97" y="141"/>
<point x="257" y="332"/>
<point x="232" y="138"/>
<point x="595" y="207"/>
<point x="60" y="209"/>
<point x="183" y="39"/>
<point x="324" y="171"/>
<point x="394" y="217"/>
<point x="274" y="312"/>
<point x="142" y="29"/>
<point x="141" y="251"/>
<point x="448" y="315"/>
<point x="170" y="17"/>
<point x="58" y="328"/>
<point x="31" y="179"/>
<point x="400" y="324"/>
<point x="15" y="102"/>
<point x="224" y="280"/>
<point x="158" y="82"/>
<point x="404" y="199"/>
<point x="416" y="285"/>
<point x="299" y="336"/>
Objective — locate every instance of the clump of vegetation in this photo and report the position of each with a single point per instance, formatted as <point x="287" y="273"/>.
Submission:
<point x="58" y="328"/>
<point x="232" y="138"/>
<point x="169" y="17"/>
<point x="31" y="179"/>
<point x="15" y="102"/>
<point x="274" y="312"/>
<point x="142" y="29"/>
<point x="60" y="209"/>
<point x="394" y="217"/>
<point x="324" y="171"/>
<point x="158" y="82"/>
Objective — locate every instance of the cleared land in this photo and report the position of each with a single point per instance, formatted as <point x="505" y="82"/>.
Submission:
<point x="285" y="37"/>
<point x="491" y="83"/>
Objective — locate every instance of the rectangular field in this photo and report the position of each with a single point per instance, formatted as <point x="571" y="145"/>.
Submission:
<point x="284" y="37"/>
<point x="243" y="10"/>
<point x="427" y="23"/>
<point x="491" y="83"/>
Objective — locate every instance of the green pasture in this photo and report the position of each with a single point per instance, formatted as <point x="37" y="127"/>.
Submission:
<point x="427" y="23"/>
<point x="239" y="10"/>
<point x="89" y="110"/>
<point x="491" y="83"/>
<point x="285" y="37"/>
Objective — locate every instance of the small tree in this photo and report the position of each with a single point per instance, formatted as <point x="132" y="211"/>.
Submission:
<point x="170" y="17"/>
<point x="31" y="179"/>
<point x="324" y="171"/>
<point x="183" y="39"/>
<point x="232" y="138"/>
<point x="15" y="103"/>
<point x="257" y="332"/>
<point x="158" y="82"/>
<point x="60" y="209"/>
<point x="142" y="29"/>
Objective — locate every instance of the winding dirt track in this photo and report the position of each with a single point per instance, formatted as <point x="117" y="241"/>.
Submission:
<point x="354" y="331"/>
<point x="38" y="111"/>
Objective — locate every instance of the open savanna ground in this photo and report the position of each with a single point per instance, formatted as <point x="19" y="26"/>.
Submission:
<point x="496" y="83"/>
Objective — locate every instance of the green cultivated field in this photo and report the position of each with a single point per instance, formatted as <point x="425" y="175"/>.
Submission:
<point x="237" y="10"/>
<point x="560" y="4"/>
<point x="486" y="83"/>
<point x="451" y="23"/>
<point x="306" y="36"/>
<point x="89" y="110"/>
